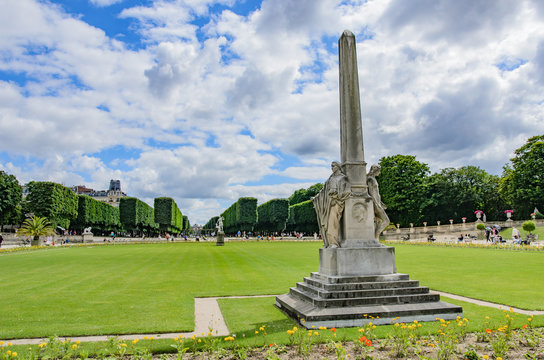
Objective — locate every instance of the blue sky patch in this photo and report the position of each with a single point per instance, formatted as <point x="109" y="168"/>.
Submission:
<point x="510" y="64"/>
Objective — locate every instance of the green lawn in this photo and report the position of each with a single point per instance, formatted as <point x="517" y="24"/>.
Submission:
<point x="539" y="231"/>
<point x="150" y="288"/>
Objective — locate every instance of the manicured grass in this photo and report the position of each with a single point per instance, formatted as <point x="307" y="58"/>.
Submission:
<point x="500" y="276"/>
<point x="136" y="288"/>
<point x="150" y="288"/>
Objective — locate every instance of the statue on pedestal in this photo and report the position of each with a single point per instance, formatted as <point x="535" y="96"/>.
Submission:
<point x="329" y="205"/>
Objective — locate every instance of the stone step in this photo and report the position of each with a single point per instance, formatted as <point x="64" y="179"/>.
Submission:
<point x="360" y="301"/>
<point x="361" y="315"/>
<point x="358" y="279"/>
<point x="347" y="293"/>
<point x="361" y="285"/>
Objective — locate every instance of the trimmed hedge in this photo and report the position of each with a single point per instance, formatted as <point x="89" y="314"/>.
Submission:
<point x="53" y="201"/>
<point x="136" y="215"/>
<point x="96" y="214"/>
<point x="210" y="225"/>
<point x="186" y="224"/>
<point x="167" y="215"/>
<point x="272" y="215"/>
<point x="240" y="216"/>
<point x="302" y="218"/>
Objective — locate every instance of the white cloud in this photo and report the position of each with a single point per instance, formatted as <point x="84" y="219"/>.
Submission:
<point x="183" y="97"/>
<point x="102" y="3"/>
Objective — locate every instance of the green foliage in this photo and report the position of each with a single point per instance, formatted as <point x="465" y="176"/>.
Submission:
<point x="11" y="194"/>
<point x="240" y="216"/>
<point x="301" y="195"/>
<point x="456" y="193"/>
<point x="136" y="215"/>
<point x="167" y="215"/>
<point x="402" y="188"/>
<point x="186" y="224"/>
<point x="210" y="225"/>
<point x="302" y="217"/>
<point x="523" y="182"/>
<point x="36" y="226"/>
<point x="480" y="226"/>
<point x="99" y="215"/>
<point x="529" y="226"/>
<point x="53" y="201"/>
<point x="273" y="215"/>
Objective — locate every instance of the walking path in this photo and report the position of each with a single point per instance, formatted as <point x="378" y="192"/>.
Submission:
<point x="208" y="317"/>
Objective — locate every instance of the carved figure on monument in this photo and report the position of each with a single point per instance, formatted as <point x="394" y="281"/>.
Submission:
<point x="329" y="205"/>
<point x="219" y="224"/>
<point x="381" y="220"/>
<point x="87" y="230"/>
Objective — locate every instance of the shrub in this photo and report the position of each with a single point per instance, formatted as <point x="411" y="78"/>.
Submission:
<point x="273" y="215"/>
<point x="167" y="215"/>
<point x="480" y="226"/>
<point x="529" y="226"/>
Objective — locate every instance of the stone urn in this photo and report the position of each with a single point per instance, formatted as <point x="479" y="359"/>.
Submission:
<point x="438" y="223"/>
<point x="508" y="215"/>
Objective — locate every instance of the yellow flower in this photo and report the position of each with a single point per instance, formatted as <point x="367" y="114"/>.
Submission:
<point x="42" y="345"/>
<point x="9" y="344"/>
<point x="373" y="326"/>
<point x="121" y="345"/>
<point x="78" y="342"/>
<point x="499" y="358"/>
<point x="361" y="330"/>
<point x="210" y="333"/>
<point x="316" y="333"/>
<point x="256" y="332"/>
<point x="487" y="317"/>
<point x="8" y="352"/>
<point x="145" y="337"/>
<point x="485" y="357"/>
<point x="176" y="339"/>
<point x="261" y="328"/>
<point x="135" y="341"/>
<point x="310" y="333"/>
<point x="295" y="328"/>
<point x="75" y="346"/>
<point x="397" y="325"/>
<point x="199" y="340"/>
<point x="193" y="337"/>
<point x="151" y="338"/>
<point x="14" y="354"/>
<point x="1" y="343"/>
<point x="290" y="332"/>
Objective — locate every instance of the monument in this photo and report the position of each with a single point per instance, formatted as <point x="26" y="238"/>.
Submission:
<point x="220" y="237"/>
<point x="357" y="275"/>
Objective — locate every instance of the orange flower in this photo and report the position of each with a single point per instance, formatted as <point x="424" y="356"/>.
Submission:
<point x="362" y="339"/>
<point x="488" y="330"/>
<point x="333" y="329"/>
<point x="524" y="326"/>
<point x="368" y="343"/>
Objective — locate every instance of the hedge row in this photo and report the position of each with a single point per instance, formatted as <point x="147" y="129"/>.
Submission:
<point x="210" y="225"/>
<point x="53" y="201"/>
<point x="302" y="218"/>
<point x="136" y="215"/>
<point x="240" y="216"/>
<point x="167" y="215"/>
<point x="62" y="207"/>
<point x="272" y="215"/>
<point x="96" y="214"/>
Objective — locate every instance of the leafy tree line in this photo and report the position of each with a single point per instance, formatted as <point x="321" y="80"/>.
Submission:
<point x="413" y="195"/>
<point x="63" y="208"/>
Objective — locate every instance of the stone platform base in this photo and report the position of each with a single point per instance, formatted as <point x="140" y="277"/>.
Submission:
<point x="357" y="261"/>
<point x="343" y="301"/>
<point x="220" y="239"/>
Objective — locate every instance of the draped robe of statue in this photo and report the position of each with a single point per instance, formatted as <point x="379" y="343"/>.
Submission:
<point x="381" y="220"/>
<point x="329" y="206"/>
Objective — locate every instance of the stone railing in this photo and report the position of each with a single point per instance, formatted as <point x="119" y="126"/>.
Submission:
<point x="449" y="230"/>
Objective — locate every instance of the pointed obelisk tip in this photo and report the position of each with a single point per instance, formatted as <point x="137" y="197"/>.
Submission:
<point x="347" y="33"/>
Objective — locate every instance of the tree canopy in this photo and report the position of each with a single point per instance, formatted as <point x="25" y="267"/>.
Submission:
<point x="11" y="194"/>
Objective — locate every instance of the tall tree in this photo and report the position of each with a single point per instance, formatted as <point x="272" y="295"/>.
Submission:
<point x="302" y="195"/>
<point x="401" y="184"/>
<point x="523" y="182"/>
<point x="11" y="194"/>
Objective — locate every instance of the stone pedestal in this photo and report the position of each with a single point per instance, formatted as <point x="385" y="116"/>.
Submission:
<point x="87" y="238"/>
<point x="220" y="239"/>
<point x="357" y="261"/>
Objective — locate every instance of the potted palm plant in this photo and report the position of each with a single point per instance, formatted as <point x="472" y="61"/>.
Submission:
<point x="36" y="226"/>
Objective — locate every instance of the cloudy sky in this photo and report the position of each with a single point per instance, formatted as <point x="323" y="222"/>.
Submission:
<point x="206" y="101"/>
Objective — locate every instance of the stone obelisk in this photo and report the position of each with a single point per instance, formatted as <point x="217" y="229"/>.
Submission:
<point x="357" y="275"/>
